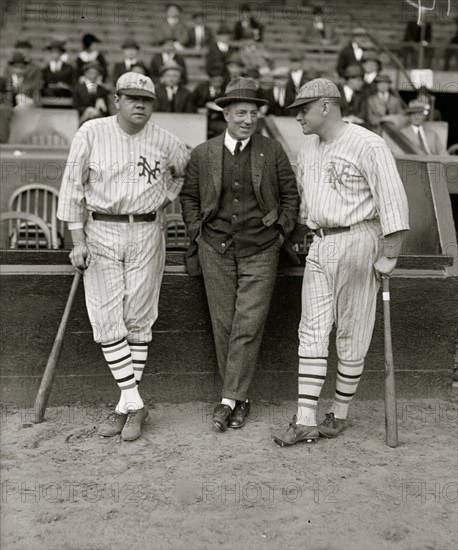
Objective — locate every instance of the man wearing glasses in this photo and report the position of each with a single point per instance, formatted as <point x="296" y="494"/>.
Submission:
<point x="121" y="172"/>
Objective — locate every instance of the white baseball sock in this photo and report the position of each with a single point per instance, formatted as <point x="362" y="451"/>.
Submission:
<point x="139" y="353"/>
<point x="230" y="402"/>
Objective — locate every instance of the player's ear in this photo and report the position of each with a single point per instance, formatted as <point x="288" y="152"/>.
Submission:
<point x="117" y="99"/>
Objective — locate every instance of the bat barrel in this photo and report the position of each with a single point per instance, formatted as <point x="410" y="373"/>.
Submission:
<point x="391" y="421"/>
<point x="44" y="390"/>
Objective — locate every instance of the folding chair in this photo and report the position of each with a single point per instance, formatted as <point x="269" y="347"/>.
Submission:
<point x="24" y="230"/>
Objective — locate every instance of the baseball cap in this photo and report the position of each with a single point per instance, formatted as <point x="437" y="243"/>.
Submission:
<point x="135" y="84"/>
<point x="315" y="89"/>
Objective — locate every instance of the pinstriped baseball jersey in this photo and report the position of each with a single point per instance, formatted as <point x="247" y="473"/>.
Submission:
<point x="349" y="180"/>
<point x="112" y="172"/>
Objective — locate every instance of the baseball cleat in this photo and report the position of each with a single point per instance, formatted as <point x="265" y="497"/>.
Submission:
<point x="133" y="427"/>
<point x="113" y="425"/>
<point x="332" y="426"/>
<point x="296" y="433"/>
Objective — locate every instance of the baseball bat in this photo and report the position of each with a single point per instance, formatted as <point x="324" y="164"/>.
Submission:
<point x="391" y="421"/>
<point x="47" y="380"/>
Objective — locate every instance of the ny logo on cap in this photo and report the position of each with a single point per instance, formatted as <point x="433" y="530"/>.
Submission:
<point x="142" y="82"/>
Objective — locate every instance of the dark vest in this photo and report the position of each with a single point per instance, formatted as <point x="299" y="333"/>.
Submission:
<point x="238" y="223"/>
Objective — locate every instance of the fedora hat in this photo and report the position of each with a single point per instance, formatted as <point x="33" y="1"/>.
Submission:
<point x="383" y="78"/>
<point x="239" y="90"/>
<point x="171" y="66"/>
<point x="56" y="45"/>
<point x="416" y="106"/>
<point x="18" y="58"/>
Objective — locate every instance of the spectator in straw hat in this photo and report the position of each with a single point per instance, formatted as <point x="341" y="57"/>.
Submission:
<point x="382" y="103"/>
<point x="89" y="97"/>
<point x="239" y="203"/>
<point x="90" y="53"/>
<point x="172" y="97"/>
<point x="425" y="139"/>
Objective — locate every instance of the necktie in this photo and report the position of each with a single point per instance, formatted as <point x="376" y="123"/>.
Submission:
<point x="423" y="142"/>
<point x="238" y="145"/>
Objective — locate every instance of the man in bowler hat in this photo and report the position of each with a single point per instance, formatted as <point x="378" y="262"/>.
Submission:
<point x="239" y="202"/>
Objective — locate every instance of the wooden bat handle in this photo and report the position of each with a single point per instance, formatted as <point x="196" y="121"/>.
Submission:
<point x="44" y="390"/>
<point x="391" y="422"/>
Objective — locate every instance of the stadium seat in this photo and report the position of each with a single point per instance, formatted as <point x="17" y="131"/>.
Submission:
<point x="25" y="230"/>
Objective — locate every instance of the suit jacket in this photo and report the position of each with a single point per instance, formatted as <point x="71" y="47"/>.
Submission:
<point x="274" y="185"/>
<point x="273" y="108"/>
<point x="100" y="59"/>
<point x="82" y="98"/>
<point x="413" y="32"/>
<point x="65" y="75"/>
<point x="354" y="107"/>
<point x="182" y="101"/>
<point x="157" y="62"/>
<point x="120" y="68"/>
<point x="432" y="139"/>
<point x="376" y="109"/>
<point x="208" y="37"/>
<point x="216" y="57"/>
<point x="345" y="59"/>
<point x="31" y="86"/>
<point x="291" y="91"/>
<point x="201" y="94"/>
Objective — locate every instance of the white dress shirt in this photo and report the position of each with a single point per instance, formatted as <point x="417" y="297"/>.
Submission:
<point x="231" y="143"/>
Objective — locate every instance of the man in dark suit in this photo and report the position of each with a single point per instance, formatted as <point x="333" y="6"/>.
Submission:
<point x="204" y="96"/>
<point x="352" y="53"/>
<point x="90" y="98"/>
<point x="22" y="89"/>
<point x="275" y="92"/>
<point x="239" y="202"/>
<point x="58" y="76"/>
<point x="319" y="30"/>
<point x="171" y="96"/>
<point x="421" y="34"/>
<point x="351" y="102"/>
<point x="219" y="50"/>
<point x="130" y="50"/>
<point x="199" y="35"/>
<point x="297" y="78"/>
<point x="168" y="55"/>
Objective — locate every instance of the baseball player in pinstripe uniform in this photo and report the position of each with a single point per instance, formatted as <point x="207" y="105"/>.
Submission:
<point x="353" y="200"/>
<point x="121" y="173"/>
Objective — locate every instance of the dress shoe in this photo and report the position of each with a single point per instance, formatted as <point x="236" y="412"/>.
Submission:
<point x="133" y="427"/>
<point x="239" y="414"/>
<point x="221" y="416"/>
<point x="332" y="426"/>
<point x="296" y="433"/>
<point x="113" y="425"/>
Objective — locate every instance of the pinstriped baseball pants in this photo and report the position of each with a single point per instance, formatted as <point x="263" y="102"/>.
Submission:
<point x="123" y="280"/>
<point x="340" y="287"/>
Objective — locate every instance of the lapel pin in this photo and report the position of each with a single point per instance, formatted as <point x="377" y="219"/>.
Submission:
<point x="261" y="154"/>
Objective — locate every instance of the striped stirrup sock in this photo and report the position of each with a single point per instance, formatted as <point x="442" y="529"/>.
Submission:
<point x="119" y="359"/>
<point x="348" y="377"/>
<point x="139" y="354"/>
<point x="312" y="374"/>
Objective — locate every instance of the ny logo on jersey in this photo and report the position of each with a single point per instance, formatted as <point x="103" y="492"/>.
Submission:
<point x="336" y="174"/>
<point x="146" y="169"/>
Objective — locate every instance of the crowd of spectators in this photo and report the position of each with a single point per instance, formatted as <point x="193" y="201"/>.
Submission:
<point x="368" y="97"/>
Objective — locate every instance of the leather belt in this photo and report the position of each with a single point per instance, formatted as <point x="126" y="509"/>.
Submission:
<point x="124" y="218"/>
<point x="324" y="231"/>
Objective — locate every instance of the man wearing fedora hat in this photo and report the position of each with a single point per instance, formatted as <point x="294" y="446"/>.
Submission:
<point x="382" y="103"/>
<point x="352" y="53"/>
<point x="424" y="138"/>
<point x="172" y="97"/>
<point x="121" y="172"/>
<point x="239" y="203"/>
<point x="353" y="200"/>
<point x="33" y="74"/>
<point x="58" y="76"/>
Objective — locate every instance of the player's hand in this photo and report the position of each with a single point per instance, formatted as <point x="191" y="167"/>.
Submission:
<point x="384" y="266"/>
<point x="161" y="219"/>
<point x="80" y="257"/>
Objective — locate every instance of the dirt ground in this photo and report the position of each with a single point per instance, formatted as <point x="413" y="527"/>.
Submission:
<point x="185" y="486"/>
